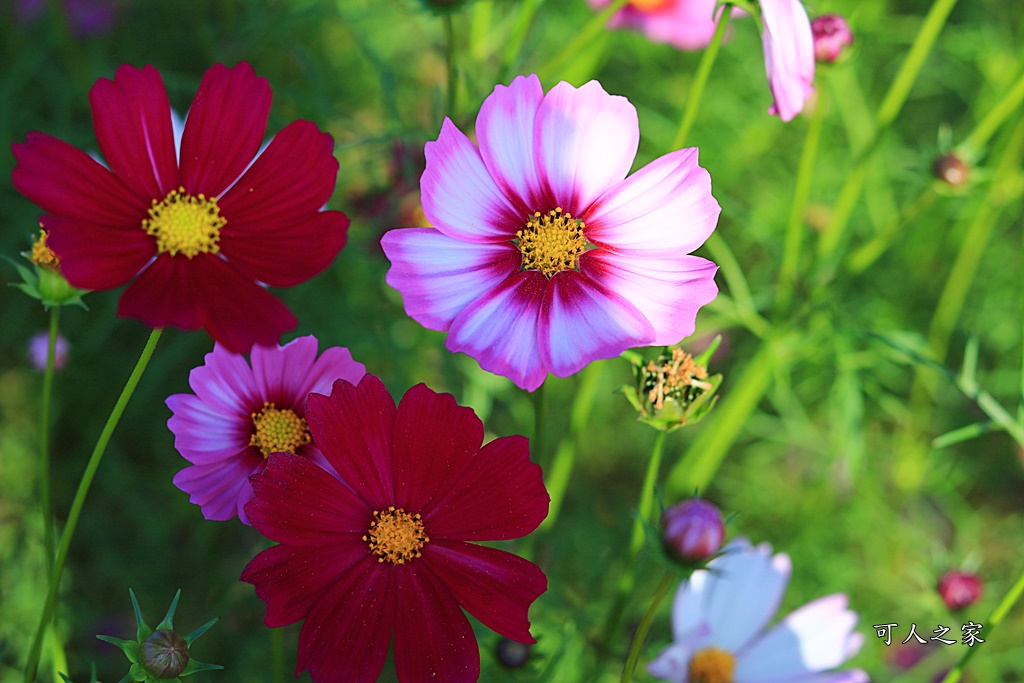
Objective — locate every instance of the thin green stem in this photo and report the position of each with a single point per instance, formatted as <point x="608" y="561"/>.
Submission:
<point x="539" y="442"/>
<point x="32" y="665"/>
<point x="987" y="127"/>
<point x="994" y="619"/>
<point x="801" y="193"/>
<point x="647" y="493"/>
<point x="453" y="78"/>
<point x="45" y="493"/>
<point x="700" y="79"/>
<point x="644" y="628"/>
<point x="277" y="656"/>
<point x="527" y="8"/>
<point x="732" y="271"/>
<point x="586" y="34"/>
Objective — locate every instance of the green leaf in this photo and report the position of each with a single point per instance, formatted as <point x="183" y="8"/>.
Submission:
<point x="168" y="619"/>
<point x="193" y="666"/>
<point x="971" y="431"/>
<point x="200" y="631"/>
<point x="144" y="630"/>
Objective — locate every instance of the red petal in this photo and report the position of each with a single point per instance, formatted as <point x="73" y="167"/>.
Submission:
<point x="294" y="177"/>
<point x="68" y="182"/>
<point x="132" y="117"/>
<point x="166" y="293"/>
<point x="224" y="129"/>
<point x="346" y="635"/>
<point x="299" y="503"/>
<point x="284" y="255"/>
<point x="353" y="428"/>
<point x="494" y="586"/>
<point x="433" y="638"/>
<point x="500" y="496"/>
<point x="435" y="441"/>
<point x="94" y="256"/>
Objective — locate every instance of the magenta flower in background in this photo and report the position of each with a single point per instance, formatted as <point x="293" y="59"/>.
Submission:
<point x="720" y="626"/>
<point x="39" y="349"/>
<point x="544" y="256"/>
<point x="239" y="415"/>
<point x="685" y="24"/>
<point x="832" y="35"/>
<point x="389" y="554"/>
<point x="85" y="17"/>
<point x="788" y="55"/>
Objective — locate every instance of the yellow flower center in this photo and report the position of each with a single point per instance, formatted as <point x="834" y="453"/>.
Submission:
<point x="649" y="5"/>
<point x="551" y="242"/>
<point x="42" y="255"/>
<point x="185" y="224"/>
<point x="278" y="431"/>
<point x="712" y="665"/>
<point x="395" y="535"/>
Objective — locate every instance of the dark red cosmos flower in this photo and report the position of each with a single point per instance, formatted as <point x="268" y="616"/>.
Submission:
<point x="390" y="555"/>
<point x="202" y="221"/>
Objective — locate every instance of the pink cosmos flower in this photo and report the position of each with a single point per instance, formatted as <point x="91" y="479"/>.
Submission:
<point x="720" y="626"/>
<point x="788" y="55"/>
<point x="239" y="415"/>
<point x="544" y="256"/>
<point x="685" y="24"/>
<point x="197" y="229"/>
<point x="389" y="555"/>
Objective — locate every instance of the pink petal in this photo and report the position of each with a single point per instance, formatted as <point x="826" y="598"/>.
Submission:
<point x="66" y="181"/>
<point x="439" y="276"/>
<point x="499" y="330"/>
<point x="788" y="55"/>
<point x="500" y="496"/>
<point x="684" y="24"/>
<point x="458" y="194"/>
<point x="581" y="322"/>
<point x="353" y="427"/>
<point x="95" y="256"/>
<point x="494" y="586"/>
<point x="664" y="208"/>
<point x="203" y="434"/>
<point x="217" y="488"/>
<point x="433" y="638"/>
<point x="435" y="441"/>
<point x="504" y="131"/>
<point x="132" y="117"/>
<point x="278" y="370"/>
<point x="333" y="364"/>
<point x="224" y="128"/>
<point x="225" y="383"/>
<point x="586" y="141"/>
<point x="300" y="504"/>
<point x="667" y="290"/>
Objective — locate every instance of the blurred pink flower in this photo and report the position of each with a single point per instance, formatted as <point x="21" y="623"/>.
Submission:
<point x="685" y="24"/>
<point x="788" y="55"/>
<point x="39" y="347"/>
<point x="832" y="35"/>
<point x="85" y="17"/>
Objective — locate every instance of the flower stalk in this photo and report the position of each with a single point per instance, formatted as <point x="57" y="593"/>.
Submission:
<point x="700" y="80"/>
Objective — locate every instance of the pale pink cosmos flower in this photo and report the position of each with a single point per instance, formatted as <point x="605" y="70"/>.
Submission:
<point x="684" y="24"/>
<point x="720" y="626"/>
<point x="788" y="55"/>
<point x="544" y="256"/>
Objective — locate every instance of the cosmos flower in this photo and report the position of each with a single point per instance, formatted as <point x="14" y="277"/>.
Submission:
<point x="388" y="555"/>
<point x="719" y="621"/>
<point x="544" y="256"/>
<point x="788" y="55"/>
<point x="239" y="415"/>
<point x="197" y="229"/>
<point x="685" y="24"/>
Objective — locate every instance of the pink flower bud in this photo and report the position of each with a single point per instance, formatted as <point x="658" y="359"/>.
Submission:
<point x="832" y="35"/>
<point x="692" y="530"/>
<point x="959" y="589"/>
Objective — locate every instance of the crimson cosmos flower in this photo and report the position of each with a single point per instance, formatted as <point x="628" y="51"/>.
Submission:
<point x="388" y="553"/>
<point x="201" y="224"/>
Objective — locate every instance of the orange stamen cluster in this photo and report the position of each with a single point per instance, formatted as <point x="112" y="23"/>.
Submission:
<point x="551" y="242"/>
<point x="396" y="536"/>
<point x="278" y="430"/>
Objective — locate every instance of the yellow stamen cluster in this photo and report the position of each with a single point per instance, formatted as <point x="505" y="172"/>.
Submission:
<point x="712" y="665"/>
<point x="395" y="535"/>
<point x="674" y="378"/>
<point x="185" y="224"/>
<point x="42" y="255"/>
<point x="551" y="242"/>
<point x="278" y="430"/>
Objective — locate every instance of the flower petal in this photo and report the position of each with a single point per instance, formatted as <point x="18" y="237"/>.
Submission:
<point x="494" y="586"/>
<point x="672" y="664"/>
<point x="665" y="207"/>
<point x="435" y="441"/>
<point x="586" y="141"/>
<point x="458" y="194"/>
<point x="582" y="322"/>
<point x="224" y="128"/>
<point x="220" y="487"/>
<point x="353" y="427"/>
<point x="286" y="375"/>
<point x="499" y="330"/>
<point x="165" y="293"/>
<point x="439" y="276"/>
<point x="504" y="131"/>
<point x="203" y="434"/>
<point x="225" y="383"/>
<point x="95" y="256"/>
<point x="667" y="290"/>
<point x="687" y="24"/>
<point x="788" y="55"/>
<point x="66" y="181"/>
<point x="500" y="496"/>
<point x="433" y="638"/>
<point x="132" y="117"/>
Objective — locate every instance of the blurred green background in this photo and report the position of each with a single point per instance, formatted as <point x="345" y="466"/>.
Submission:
<point x="834" y="464"/>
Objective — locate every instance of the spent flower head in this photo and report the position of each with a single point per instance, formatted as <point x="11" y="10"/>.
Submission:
<point x="44" y="280"/>
<point x="674" y="389"/>
<point x="161" y="654"/>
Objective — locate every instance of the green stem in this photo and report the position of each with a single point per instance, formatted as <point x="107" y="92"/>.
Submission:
<point x="586" y="34"/>
<point x="994" y="619"/>
<point x="453" y="82"/>
<point x="45" y="494"/>
<point x="647" y="493"/>
<point x="539" y="442"/>
<point x="643" y="629"/>
<point x="865" y="255"/>
<point x="277" y="655"/>
<point x="32" y="665"/>
<point x="527" y="8"/>
<point x="987" y="127"/>
<point x="700" y="79"/>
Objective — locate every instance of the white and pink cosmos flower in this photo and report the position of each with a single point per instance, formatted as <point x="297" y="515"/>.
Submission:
<point x="544" y="256"/>
<point x="788" y="55"/>
<point x="720" y="626"/>
<point x="684" y="24"/>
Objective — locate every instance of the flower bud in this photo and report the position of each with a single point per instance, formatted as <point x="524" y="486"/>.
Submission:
<point x="512" y="654"/>
<point x="44" y="280"/>
<point x="692" y="530"/>
<point x="951" y="169"/>
<point x="164" y="654"/>
<point x="39" y="348"/>
<point x="959" y="589"/>
<point x="832" y="35"/>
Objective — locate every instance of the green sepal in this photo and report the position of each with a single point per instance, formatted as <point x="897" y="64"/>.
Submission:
<point x="194" y="666"/>
<point x="199" y="631"/>
<point x="130" y="648"/>
<point x="168" y="621"/>
<point x="144" y="631"/>
<point x="46" y="286"/>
